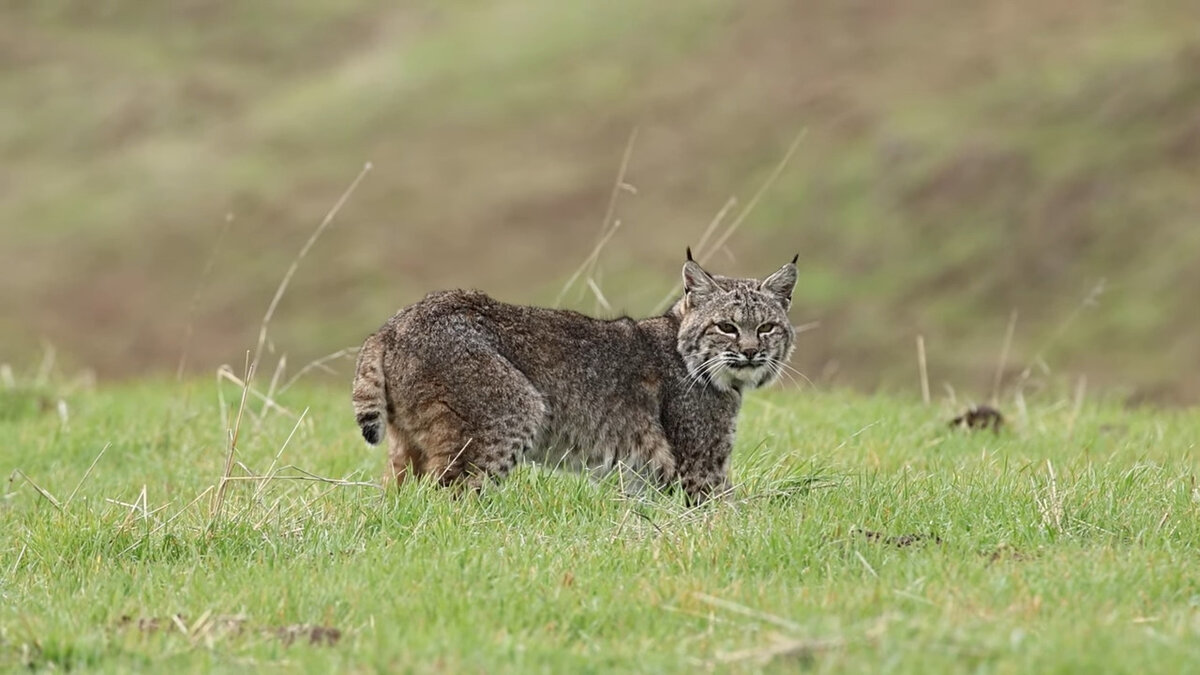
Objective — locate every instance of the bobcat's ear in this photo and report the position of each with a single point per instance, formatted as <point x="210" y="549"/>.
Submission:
<point x="696" y="282"/>
<point x="782" y="283"/>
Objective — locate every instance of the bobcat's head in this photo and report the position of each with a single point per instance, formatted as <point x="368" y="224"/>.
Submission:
<point x="735" y="333"/>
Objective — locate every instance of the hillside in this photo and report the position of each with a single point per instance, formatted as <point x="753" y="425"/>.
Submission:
<point x="959" y="161"/>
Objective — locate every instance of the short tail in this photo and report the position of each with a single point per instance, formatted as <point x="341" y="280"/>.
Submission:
<point x="369" y="394"/>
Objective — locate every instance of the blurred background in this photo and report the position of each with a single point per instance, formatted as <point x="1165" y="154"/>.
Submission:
<point x="163" y="163"/>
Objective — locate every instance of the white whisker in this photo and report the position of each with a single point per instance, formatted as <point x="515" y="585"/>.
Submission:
<point x="707" y="369"/>
<point x="701" y="372"/>
<point x="777" y="371"/>
<point x="701" y="369"/>
<point x="785" y="368"/>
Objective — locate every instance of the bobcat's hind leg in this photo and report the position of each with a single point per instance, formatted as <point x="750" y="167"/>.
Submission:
<point x="478" y="425"/>
<point x="473" y="452"/>
<point x="403" y="458"/>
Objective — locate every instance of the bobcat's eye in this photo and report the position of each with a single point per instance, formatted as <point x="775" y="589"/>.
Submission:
<point x="727" y="328"/>
<point x="767" y="329"/>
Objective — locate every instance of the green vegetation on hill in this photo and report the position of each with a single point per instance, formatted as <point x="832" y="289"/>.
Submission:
<point x="865" y="536"/>
<point x="961" y="161"/>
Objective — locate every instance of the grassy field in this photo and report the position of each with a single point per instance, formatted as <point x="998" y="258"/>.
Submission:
<point x="865" y="535"/>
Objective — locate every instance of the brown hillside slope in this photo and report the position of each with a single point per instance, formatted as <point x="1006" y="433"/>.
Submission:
<point x="961" y="160"/>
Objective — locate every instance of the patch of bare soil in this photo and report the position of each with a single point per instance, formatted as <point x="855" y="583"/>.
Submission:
<point x="209" y="625"/>
<point x="1005" y="552"/>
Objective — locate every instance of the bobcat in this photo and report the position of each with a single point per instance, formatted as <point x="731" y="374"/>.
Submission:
<point x="467" y="386"/>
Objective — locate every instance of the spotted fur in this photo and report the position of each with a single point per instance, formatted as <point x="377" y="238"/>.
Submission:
<point x="464" y="386"/>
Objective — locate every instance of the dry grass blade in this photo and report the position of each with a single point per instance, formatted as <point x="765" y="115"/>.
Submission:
<point x="855" y="435"/>
<point x="1000" y="365"/>
<point x="287" y="277"/>
<point x="219" y="500"/>
<point x="595" y="288"/>
<point x="222" y="407"/>
<point x="49" y="355"/>
<point x="608" y="227"/>
<point x="40" y="490"/>
<point x="318" y="363"/>
<point x="736" y="608"/>
<point x="1080" y="392"/>
<point x="866" y="564"/>
<point x="762" y="190"/>
<point x="588" y="262"/>
<point x="139" y="503"/>
<point x="168" y="521"/>
<point x="304" y="476"/>
<point x="269" y="397"/>
<point x="20" y="557"/>
<point x="226" y="373"/>
<point x="275" y="461"/>
<point x="923" y="367"/>
<point x="713" y="224"/>
<point x="452" y="462"/>
<point x="805" y="327"/>
<point x="1051" y="507"/>
<point x="620" y="183"/>
<point x="86" y="474"/>
<point x="702" y="256"/>
<point x="1090" y="300"/>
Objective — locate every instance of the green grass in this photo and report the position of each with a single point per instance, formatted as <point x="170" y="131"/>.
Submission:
<point x="1067" y="543"/>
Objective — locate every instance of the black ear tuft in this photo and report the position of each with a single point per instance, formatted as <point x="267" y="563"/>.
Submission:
<point x="794" y="259"/>
<point x="689" y="252"/>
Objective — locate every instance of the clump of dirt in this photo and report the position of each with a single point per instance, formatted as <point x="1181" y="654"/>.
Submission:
<point x="314" y="635"/>
<point x="151" y="624"/>
<point x="235" y="625"/>
<point x="902" y="540"/>
<point x="978" y="418"/>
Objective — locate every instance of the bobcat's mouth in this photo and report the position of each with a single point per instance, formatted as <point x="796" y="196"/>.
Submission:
<point x="738" y="372"/>
<point x="746" y="363"/>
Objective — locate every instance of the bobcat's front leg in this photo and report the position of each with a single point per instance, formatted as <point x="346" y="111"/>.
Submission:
<point x="651" y="462"/>
<point x="704" y="473"/>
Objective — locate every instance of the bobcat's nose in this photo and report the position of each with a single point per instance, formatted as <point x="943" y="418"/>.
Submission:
<point x="750" y="353"/>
